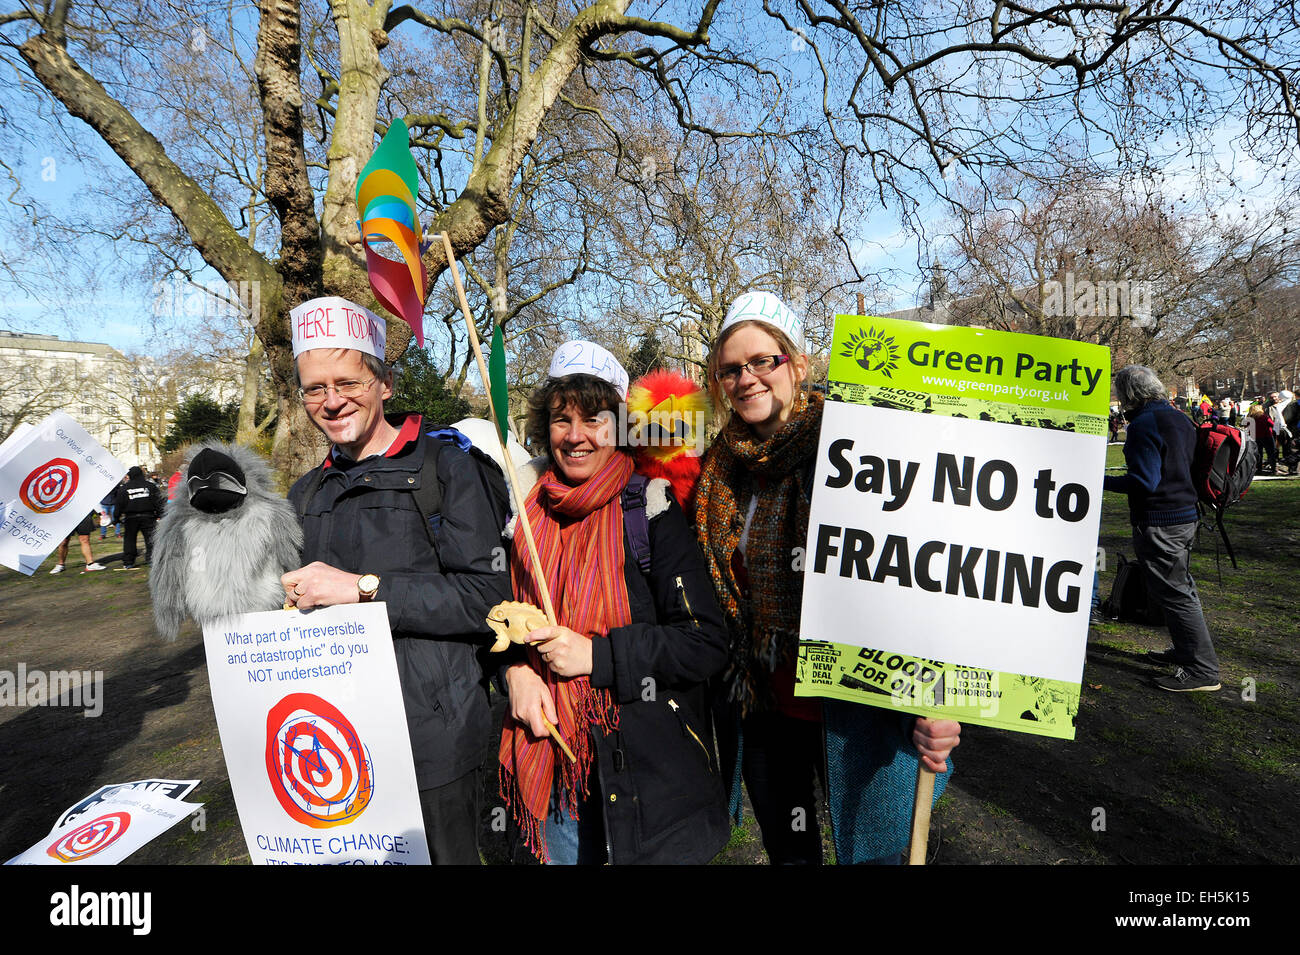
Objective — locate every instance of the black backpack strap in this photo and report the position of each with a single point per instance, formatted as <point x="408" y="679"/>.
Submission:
<point x="636" y="523"/>
<point x="428" y="496"/>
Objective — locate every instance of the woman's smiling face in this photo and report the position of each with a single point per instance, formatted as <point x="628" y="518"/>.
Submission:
<point x="581" y="443"/>
<point x="765" y="404"/>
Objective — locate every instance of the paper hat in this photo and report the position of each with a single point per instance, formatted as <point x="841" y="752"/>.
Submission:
<point x="333" y="322"/>
<point x="767" y="308"/>
<point x="588" y="358"/>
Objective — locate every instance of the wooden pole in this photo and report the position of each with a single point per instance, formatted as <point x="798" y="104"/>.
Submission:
<point x="921" y="815"/>
<point x="522" y="513"/>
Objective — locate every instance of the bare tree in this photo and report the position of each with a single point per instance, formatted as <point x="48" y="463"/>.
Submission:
<point x="313" y="252"/>
<point x="27" y="395"/>
<point x="906" y="97"/>
<point x="1113" y="262"/>
<point x="929" y="96"/>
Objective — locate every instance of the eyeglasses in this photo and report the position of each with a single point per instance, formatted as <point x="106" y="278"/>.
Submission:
<point x="759" y="367"/>
<point x="344" y="389"/>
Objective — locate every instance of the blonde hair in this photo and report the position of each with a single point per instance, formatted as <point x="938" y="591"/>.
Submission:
<point x="720" y="403"/>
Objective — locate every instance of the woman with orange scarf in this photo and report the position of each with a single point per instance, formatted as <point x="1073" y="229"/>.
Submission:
<point x="622" y="675"/>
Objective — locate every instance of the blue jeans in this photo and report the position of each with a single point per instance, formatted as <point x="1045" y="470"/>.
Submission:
<point x="578" y="841"/>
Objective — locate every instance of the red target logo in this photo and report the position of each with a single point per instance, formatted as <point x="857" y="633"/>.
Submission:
<point x="50" y="486"/>
<point x="95" y="836"/>
<point x="319" y="770"/>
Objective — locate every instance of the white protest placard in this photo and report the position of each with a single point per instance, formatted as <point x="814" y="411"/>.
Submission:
<point x="114" y="829"/>
<point x="16" y="440"/>
<point x="962" y="545"/>
<point x="51" y="477"/>
<point x="310" y="712"/>
<point x="171" y="788"/>
<point x="952" y="533"/>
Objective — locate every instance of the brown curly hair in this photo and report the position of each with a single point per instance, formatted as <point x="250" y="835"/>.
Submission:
<point x="590" y="394"/>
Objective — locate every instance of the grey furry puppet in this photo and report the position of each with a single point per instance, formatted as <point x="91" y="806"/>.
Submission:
<point x="223" y="543"/>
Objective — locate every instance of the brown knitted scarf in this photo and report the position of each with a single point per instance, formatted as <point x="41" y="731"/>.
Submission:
<point x="764" y="629"/>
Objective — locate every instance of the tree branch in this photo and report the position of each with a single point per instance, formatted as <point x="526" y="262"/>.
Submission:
<point x="213" y="236"/>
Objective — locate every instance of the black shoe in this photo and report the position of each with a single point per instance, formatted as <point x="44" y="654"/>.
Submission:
<point x="1163" y="657"/>
<point x="1183" y="682"/>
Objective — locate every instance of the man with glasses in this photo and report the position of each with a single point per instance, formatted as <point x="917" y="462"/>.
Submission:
<point x="375" y="528"/>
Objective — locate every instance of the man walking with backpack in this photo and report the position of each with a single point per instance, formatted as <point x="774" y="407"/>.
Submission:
<point x="1162" y="506"/>
<point x="376" y="528"/>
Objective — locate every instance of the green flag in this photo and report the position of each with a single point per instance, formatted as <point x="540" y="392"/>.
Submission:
<point x="497" y="384"/>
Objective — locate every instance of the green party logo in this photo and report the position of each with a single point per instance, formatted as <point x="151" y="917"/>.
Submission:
<point x="873" y="351"/>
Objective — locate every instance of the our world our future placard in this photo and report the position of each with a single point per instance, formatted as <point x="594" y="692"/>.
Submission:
<point x="952" y="536"/>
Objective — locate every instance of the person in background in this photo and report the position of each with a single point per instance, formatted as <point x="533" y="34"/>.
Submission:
<point x="106" y="519"/>
<point x="82" y="532"/>
<point x="1227" y="411"/>
<point x="139" y="502"/>
<point x="1263" y="435"/>
<point x="1162" y="508"/>
<point x="173" y="483"/>
<point x="1277" y="415"/>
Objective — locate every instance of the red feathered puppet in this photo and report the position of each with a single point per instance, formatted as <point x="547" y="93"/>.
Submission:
<point x="666" y="414"/>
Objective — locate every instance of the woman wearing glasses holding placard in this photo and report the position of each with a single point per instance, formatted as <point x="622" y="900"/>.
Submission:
<point x="752" y="517"/>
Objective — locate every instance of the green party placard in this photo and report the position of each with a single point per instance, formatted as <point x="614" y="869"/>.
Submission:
<point x="971" y="363"/>
<point x="953" y="524"/>
<point x="1027" y="704"/>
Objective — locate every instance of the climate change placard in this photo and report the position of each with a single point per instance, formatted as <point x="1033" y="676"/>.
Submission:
<point x="51" y="476"/>
<point x="953" y="526"/>
<point x="314" y="732"/>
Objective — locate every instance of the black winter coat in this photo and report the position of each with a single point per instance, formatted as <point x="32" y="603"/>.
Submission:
<point x="363" y="519"/>
<point x="138" y="497"/>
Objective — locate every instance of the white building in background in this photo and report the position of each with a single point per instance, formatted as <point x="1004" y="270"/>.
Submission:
<point x="121" y="402"/>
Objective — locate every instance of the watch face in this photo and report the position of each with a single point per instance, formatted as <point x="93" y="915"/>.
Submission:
<point x="368" y="584"/>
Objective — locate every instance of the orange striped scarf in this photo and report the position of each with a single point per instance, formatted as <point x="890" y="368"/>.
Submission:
<point x="579" y="534"/>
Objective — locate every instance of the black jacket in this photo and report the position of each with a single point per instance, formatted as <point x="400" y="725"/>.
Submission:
<point x="363" y="519"/>
<point x="660" y="788"/>
<point x="138" y="497"/>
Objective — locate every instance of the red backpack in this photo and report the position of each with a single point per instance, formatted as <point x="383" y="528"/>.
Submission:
<point x="1224" y="462"/>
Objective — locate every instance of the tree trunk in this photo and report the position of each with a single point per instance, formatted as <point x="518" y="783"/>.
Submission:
<point x="298" y="446"/>
<point x="361" y="78"/>
<point x="246" y="431"/>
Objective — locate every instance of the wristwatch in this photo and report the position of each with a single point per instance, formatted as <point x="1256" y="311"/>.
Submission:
<point x="367" y="587"/>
